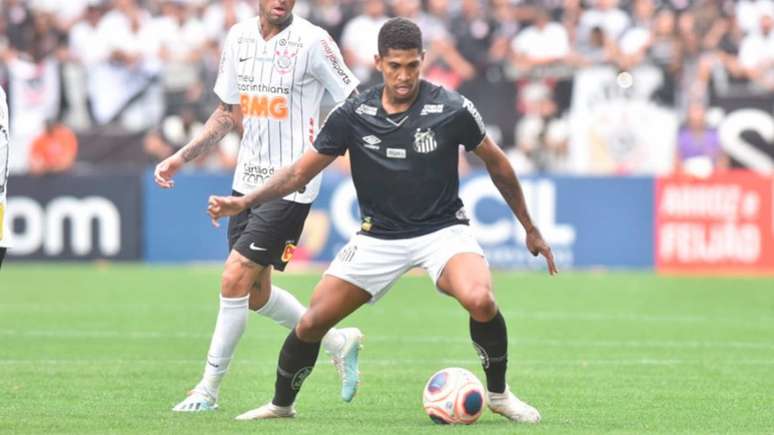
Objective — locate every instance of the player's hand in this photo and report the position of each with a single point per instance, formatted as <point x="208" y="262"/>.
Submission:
<point x="166" y="170"/>
<point x="221" y="206"/>
<point x="537" y="245"/>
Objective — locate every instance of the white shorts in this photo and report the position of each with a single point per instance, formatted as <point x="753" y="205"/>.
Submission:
<point x="376" y="264"/>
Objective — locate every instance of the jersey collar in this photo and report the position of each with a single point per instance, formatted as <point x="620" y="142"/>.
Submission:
<point x="287" y="26"/>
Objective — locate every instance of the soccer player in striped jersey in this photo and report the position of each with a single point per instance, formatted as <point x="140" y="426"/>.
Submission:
<point x="274" y="70"/>
<point x="5" y="138"/>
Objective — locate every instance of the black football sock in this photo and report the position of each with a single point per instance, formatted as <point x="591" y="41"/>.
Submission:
<point x="491" y="342"/>
<point x="296" y="361"/>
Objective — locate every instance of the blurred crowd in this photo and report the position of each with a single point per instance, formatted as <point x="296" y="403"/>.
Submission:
<point x="83" y="71"/>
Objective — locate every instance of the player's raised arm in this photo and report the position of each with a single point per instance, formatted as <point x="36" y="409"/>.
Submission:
<point x="503" y="176"/>
<point x="284" y="182"/>
<point x="222" y="121"/>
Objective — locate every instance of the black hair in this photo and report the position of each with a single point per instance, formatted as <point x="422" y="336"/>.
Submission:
<point x="399" y="34"/>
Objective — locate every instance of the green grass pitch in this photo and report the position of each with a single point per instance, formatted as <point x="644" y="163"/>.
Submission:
<point x="110" y="348"/>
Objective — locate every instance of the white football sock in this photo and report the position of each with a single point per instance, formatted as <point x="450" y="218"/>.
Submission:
<point x="231" y="323"/>
<point x="285" y="309"/>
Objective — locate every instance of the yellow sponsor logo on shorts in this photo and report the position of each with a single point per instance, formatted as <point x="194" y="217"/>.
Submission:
<point x="287" y="253"/>
<point x="367" y="224"/>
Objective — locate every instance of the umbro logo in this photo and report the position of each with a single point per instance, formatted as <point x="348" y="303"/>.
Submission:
<point x="431" y="108"/>
<point x="371" y="142"/>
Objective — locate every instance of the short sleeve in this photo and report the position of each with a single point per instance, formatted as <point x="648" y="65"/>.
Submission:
<point x="226" y="84"/>
<point x="328" y="67"/>
<point x="469" y="126"/>
<point x="332" y="139"/>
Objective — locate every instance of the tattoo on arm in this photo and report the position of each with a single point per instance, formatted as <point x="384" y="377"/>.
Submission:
<point x="220" y="123"/>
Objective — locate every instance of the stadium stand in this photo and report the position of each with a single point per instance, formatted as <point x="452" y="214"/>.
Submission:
<point x="546" y="74"/>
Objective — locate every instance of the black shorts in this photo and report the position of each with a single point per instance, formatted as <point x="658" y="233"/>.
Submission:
<point x="2" y="256"/>
<point x="268" y="234"/>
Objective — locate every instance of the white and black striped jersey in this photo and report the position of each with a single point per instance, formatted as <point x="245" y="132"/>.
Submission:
<point x="405" y="165"/>
<point x="5" y="139"/>
<point x="278" y="85"/>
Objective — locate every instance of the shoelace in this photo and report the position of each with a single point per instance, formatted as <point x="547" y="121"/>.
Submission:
<point x="339" y="364"/>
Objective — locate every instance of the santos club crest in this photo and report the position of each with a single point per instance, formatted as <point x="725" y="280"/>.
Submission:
<point x="424" y="141"/>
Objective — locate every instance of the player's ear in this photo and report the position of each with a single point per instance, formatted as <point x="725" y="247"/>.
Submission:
<point x="378" y="62"/>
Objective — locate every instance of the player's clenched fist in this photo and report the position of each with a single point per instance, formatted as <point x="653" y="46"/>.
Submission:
<point x="166" y="170"/>
<point x="221" y="206"/>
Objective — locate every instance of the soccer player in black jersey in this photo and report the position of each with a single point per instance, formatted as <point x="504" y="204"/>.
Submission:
<point x="403" y="139"/>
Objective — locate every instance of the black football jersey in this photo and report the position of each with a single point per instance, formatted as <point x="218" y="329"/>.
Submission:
<point x="404" y="165"/>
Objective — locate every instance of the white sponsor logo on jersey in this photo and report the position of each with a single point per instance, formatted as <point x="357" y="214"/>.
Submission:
<point x="364" y="109"/>
<point x="474" y="112"/>
<point x="396" y="153"/>
<point x="431" y="108"/>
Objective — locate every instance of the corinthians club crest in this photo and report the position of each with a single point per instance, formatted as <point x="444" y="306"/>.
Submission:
<point x="284" y="59"/>
<point x="424" y="141"/>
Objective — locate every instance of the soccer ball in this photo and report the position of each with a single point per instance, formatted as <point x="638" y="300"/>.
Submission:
<point x="453" y="396"/>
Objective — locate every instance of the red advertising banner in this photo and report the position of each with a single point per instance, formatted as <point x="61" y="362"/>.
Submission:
<point x="721" y="224"/>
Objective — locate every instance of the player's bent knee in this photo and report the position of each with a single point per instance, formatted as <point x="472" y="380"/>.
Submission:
<point x="309" y="328"/>
<point x="480" y="303"/>
<point x="233" y="283"/>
